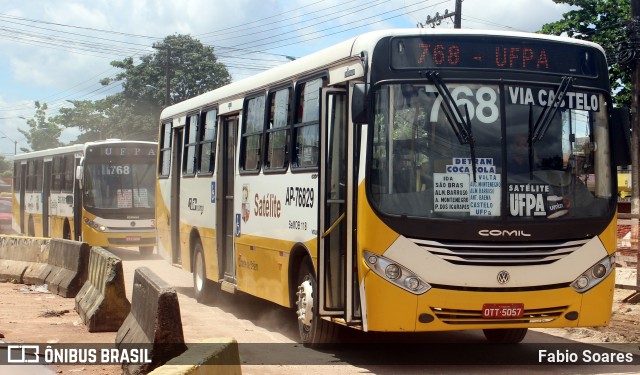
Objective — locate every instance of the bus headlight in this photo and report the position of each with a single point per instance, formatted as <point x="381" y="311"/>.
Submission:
<point x="94" y="225"/>
<point x="594" y="275"/>
<point x="395" y="273"/>
<point x="392" y="271"/>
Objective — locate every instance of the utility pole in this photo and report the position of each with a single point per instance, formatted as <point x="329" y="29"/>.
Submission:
<point x="437" y="19"/>
<point x="457" y="19"/>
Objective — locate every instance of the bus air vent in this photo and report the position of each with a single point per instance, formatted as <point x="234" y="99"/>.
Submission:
<point x="501" y="254"/>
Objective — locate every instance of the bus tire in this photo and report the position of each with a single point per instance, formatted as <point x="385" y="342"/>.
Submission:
<point x="66" y="230"/>
<point x="505" y="336"/>
<point x="146" y="251"/>
<point x="313" y="330"/>
<point x="202" y="288"/>
<point x="31" y="229"/>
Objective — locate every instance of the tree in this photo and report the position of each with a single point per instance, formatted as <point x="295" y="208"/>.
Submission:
<point x="602" y="22"/>
<point x="134" y="112"/>
<point x="6" y="168"/>
<point x="43" y="133"/>
<point x="191" y="67"/>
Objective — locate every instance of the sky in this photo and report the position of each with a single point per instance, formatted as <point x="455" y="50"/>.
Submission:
<point x="57" y="51"/>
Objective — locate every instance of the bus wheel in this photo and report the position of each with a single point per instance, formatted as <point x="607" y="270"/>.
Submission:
<point x="146" y="250"/>
<point x="201" y="286"/>
<point x="505" y="336"/>
<point x="32" y="228"/>
<point x="66" y="230"/>
<point x="313" y="330"/>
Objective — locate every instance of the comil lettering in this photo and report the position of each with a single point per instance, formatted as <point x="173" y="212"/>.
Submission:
<point x="503" y="233"/>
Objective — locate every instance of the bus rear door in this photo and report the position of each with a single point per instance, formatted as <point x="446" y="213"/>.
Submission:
<point x="226" y="225"/>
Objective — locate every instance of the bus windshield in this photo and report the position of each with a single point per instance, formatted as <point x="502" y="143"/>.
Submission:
<point x="529" y="165"/>
<point x="119" y="185"/>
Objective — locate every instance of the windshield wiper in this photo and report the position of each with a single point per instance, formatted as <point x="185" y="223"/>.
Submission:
<point x="530" y="141"/>
<point x="550" y="110"/>
<point x="460" y="125"/>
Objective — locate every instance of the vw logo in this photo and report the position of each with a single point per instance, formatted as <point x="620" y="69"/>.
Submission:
<point x="503" y="277"/>
<point x="133" y="224"/>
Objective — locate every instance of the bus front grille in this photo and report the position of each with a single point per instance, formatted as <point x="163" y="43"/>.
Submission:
<point x="461" y="317"/>
<point x="132" y="241"/>
<point x="498" y="254"/>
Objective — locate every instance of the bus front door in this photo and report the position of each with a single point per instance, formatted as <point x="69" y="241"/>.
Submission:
<point x="336" y="297"/>
<point x="228" y="224"/>
<point x="23" y="189"/>
<point x="176" y="175"/>
<point x="46" y="194"/>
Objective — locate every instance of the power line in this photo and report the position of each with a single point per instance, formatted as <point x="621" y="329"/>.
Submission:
<point x="352" y="28"/>
<point x="78" y="27"/>
<point x="490" y="23"/>
<point x="107" y="47"/>
<point x="244" y="26"/>
<point x="355" y="9"/>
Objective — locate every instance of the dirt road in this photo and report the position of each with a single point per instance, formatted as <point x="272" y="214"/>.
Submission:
<point x="32" y="315"/>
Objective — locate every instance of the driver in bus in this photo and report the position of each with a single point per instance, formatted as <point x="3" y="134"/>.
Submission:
<point x="518" y="155"/>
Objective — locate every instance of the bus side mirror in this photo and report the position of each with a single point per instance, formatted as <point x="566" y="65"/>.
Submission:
<point x="359" y="113"/>
<point x="620" y="133"/>
<point x="79" y="174"/>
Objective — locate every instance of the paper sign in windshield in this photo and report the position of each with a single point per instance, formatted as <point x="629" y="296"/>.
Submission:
<point x="125" y="198"/>
<point x="455" y="191"/>
<point x="536" y="200"/>
<point x="451" y="192"/>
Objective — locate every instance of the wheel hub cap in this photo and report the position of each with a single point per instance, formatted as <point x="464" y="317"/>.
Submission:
<point x="305" y="303"/>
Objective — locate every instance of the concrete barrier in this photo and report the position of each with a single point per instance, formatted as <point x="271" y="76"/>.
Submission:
<point x="219" y="358"/>
<point x="66" y="268"/>
<point x="102" y="302"/>
<point x="154" y="319"/>
<point x="23" y="258"/>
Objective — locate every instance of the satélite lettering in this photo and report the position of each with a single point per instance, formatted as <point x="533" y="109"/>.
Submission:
<point x="267" y="206"/>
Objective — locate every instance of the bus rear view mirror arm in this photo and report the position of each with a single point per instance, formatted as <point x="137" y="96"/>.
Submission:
<point x="359" y="114"/>
<point x="79" y="174"/>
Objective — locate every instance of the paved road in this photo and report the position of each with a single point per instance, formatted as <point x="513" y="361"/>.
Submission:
<point x="274" y="328"/>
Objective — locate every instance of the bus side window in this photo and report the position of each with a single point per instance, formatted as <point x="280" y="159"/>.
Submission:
<point x="253" y="126"/>
<point x="68" y="173"/>
<point x="191" y="137"/>
<point x="307" y="124"/>
<point x="164" y="166"/>
<point x="277" y="138"/>
<point x="29" y="176"/>
<point x="208" y="142"/>
<point x="57" y="173"/>
<point x="16" y="177"/>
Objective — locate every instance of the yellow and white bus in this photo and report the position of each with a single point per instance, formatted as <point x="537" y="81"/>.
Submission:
<point x="102" y="193"/>
<point x="374" y="185"/>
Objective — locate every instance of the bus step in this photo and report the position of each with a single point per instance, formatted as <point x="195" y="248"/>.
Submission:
<point x="228" y="287"/>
